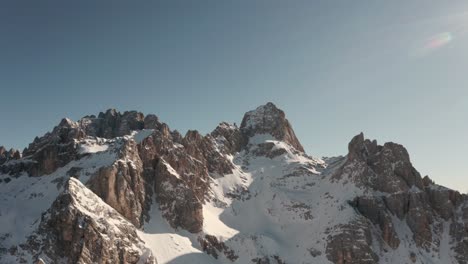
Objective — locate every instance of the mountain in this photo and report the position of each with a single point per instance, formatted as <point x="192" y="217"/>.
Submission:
<point x="125" y="188"/>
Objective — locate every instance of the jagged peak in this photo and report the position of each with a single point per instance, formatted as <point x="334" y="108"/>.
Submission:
<point x="268" y="119"/>
<point x="109" y="112"/>
<point x="67" y="122"/>
<point x="193" y="135"/>
<point x="6" y="155"/>
<point x="389" y="161"/>
<point x="361" y="148"/>
<point x="226" y="125"/>
<point x="261" y="116"/>
<point x="114" y="113"/>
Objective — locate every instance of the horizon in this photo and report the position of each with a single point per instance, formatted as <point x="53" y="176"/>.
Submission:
<point x="394" y="70"/>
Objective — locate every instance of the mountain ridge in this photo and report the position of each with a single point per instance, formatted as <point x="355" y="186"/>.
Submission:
<point x="247" y="194"/>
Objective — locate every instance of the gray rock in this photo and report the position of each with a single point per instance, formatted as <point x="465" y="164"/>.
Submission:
<point x="268" y="119"/>
<point x="81" y="228"/>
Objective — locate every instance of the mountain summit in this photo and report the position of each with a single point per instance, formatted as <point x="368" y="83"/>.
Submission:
<point x="125" y="188"/>
<point x="268" y="119"/>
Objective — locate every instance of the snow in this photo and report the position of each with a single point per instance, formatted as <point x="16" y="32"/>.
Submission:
<point x="170" y="169"/>
<point x="214" y="226"/>
<point x="171" y="246"/>
<point x="93" y="146"/>
<point x="141" y="135"/>
<point x="260" y="138"/>
<point x="277" y="214"/>
<point x="446" y="253"/>
<point x="24" y="199"/>
<point x="270" y="213"/>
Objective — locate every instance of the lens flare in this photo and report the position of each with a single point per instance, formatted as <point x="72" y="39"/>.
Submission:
<point x="438" y="41"/>
<point x="434" y="43"/>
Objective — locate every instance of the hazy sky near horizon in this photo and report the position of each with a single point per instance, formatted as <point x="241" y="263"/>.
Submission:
<point x="396" y="70"/>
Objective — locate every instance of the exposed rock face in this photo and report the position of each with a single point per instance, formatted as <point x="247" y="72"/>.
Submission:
<point x="81" y="228"/>
<point x="352" y="245"/>
<point x="204" y="149"/>
<point x="178" y="203"/>
<point x="180" y="180"/>
<point x="443" y="200"/>
<point x="459" y="232"/>
<point x="229" y="138"/>
<point x="152" y="122"/>
<point x="55" y="149"/>
<point x="121" y="185"/>
<point x="113" y="124"/>
<point x="212" y="246"/>
<point x="374" y="209"/>
<point x="386" y="168"/>
<point x="268" y="119"/>
<point x="394" y="187"/>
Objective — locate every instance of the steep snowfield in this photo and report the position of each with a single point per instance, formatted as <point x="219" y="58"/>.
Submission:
<point x="288" y="204"/>
<point x="170" y="245"/>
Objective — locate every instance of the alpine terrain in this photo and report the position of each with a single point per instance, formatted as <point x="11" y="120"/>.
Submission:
<point x="125" y="188"/>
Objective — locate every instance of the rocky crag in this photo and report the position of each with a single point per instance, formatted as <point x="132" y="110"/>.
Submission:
<point x="125" y="188"/>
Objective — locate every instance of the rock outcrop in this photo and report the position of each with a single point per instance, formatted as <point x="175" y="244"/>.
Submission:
<point x="112" y="123"/>
<point x="268" y="119"/>
<point x="55" y="149"/>
<point x="81" y="228"/>
<point x="352" y="245"/>
<point x="384" y="168"/>
<point x="393" y="187"/>
<point x="122" y="186"/>
<point x="374" y="209"/>
<point x="7" y="155"/>
<point x="180" y="181"/>
<point x="229" y="138"/>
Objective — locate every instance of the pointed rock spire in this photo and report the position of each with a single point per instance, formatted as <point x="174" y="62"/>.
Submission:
<point x="268" y="119"/>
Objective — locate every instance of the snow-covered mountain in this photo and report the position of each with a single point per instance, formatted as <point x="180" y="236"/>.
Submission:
<point x="124" y="188"/>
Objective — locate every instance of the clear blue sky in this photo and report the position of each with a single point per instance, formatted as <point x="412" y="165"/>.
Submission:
<point x="396" y="70"/>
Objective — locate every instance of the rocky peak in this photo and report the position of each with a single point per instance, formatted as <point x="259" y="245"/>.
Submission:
<point x="152" y="122"/>
<point x="268" y="119"/>
<point x="113" y="123"/>
<point x="229" y="137"/>
<point x="193" y="136"/>
<point x="80" y="228"/>
<point x="64" y="133"/>
<point x="67" y="122"/>
<point x="112" y="112"/>
<point x="385" y="168"/>
<point x="364" y="149"/>
<point x="14" y="154"/>
<point x="53" y="150"/>
<point x="11" y="154"/>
